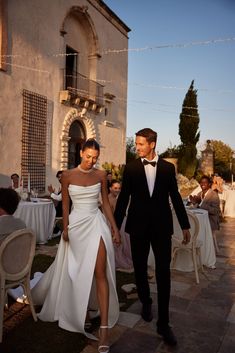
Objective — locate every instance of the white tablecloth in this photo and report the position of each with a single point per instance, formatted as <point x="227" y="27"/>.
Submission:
<point x="38" y="216"/>
<point x="184" y="259"/>
<point x="229" y="207"/>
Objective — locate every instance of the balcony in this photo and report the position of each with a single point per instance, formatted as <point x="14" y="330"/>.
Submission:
<point x="81" y="91"/>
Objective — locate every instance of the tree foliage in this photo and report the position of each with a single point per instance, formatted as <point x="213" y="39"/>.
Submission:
<point x="223" y="159"/>
<point x="130" y="149"/>
<point x="189" y="134"/>
<point x="170" y="152"/>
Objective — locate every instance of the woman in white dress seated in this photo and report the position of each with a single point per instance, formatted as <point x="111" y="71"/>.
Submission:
<point x="84" y="268"/>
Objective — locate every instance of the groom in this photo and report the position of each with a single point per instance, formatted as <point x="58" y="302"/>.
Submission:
<point x="147" y="183"/>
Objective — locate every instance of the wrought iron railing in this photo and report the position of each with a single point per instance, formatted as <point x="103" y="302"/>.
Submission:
<point x="83" y="86"/>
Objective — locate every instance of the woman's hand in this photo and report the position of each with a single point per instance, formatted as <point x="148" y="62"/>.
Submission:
<point x="65" y="235"/>
<point x="116" y="237"/>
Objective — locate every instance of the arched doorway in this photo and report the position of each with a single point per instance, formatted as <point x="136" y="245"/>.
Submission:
<point x="77" y="137"/>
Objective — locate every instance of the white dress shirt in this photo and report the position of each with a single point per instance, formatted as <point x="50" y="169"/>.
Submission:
<point x="150" y="173"/>
<point x="57" y="197"/>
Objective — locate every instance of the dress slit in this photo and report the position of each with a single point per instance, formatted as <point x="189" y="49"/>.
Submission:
<point x="68" y="288"/>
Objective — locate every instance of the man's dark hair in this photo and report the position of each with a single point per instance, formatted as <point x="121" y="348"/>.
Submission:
<point x="149" y="134"/>
<point x="9" y="200"/>
<point x="207" y="178"/>
<point x="14" y="174"/>
<point x="58" y="173"/>
<point x="91" y="143"/>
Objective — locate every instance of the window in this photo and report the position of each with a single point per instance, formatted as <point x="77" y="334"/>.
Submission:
<point x="3" y="34"/>
<point x="71" y="68"/>
<point x="34" y="128"/>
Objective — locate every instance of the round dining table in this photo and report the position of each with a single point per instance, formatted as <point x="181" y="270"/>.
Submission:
<point x="183" y="261"/>
<point x="228" y="196"/>
<point x="38" y="215"/>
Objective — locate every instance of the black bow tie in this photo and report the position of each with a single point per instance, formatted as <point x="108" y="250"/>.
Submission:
<point x="145" y="162"/>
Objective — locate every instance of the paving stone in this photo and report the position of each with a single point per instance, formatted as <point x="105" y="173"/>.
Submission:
<point x="231" y="315"/>
<point x="128" y="319"/>
<point x="179" y="288"/>
<point x="192" y="292"/>
<point x="227" y="346"/>
<point x="184" y="322"/>
<point x="194" y="341"/>
<point x="179" y="304"/>
<point x="136" y="341"/>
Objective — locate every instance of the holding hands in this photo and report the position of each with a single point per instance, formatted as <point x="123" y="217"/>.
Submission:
<point x="116" y="236"/>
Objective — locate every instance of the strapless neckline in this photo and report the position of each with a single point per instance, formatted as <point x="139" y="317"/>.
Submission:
<point x="83" y="186"/>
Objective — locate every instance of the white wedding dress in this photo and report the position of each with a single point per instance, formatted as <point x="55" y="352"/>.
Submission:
<point x="67" y="289"/>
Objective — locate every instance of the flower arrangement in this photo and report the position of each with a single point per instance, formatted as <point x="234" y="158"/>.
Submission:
<point x="116" y="171"/>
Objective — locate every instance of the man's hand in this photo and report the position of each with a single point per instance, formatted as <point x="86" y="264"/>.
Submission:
<point x="50" y="189"/>
<point x="194" y="199"/>
<point x="187" y="236"/>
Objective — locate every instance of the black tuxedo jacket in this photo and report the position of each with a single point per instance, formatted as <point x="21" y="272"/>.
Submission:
<point x="147" y="211"/>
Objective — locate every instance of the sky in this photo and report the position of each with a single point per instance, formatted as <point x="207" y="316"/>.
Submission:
<point x="175" y="42"/>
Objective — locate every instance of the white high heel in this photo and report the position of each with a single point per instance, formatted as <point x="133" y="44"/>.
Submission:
<point x="103" y="348"/>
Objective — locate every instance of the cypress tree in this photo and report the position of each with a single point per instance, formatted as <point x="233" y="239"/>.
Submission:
<point x="189" y="134"/>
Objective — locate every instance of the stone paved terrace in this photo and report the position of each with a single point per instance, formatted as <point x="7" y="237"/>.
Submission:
<point x="202" y="316"/>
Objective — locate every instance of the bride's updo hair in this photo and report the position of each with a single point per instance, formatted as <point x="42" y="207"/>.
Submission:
<point x="91" y="143"/>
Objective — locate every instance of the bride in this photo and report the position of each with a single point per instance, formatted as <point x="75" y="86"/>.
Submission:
<point x="83" y="272"/>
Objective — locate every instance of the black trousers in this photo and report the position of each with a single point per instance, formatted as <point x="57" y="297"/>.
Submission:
<point x="161" y="246"/>
<point x="58" y="209"/>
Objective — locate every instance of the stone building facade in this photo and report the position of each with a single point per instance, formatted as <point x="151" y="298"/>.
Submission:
<point x="63" y="79"/>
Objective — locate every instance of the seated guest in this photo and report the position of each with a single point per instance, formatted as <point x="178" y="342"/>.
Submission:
<point x="15" y="179"/>
<point x="114" y="190"/>
<point x="57" y="199"/>
<point x="57" y="196"/>
<point x="9" y="201"/>
<point x="123" y="258"/>
<point x="208" y="199"/>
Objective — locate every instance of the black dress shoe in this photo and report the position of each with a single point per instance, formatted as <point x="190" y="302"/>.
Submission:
<point x="168" y="336"/>
<point x="146" y="312"/>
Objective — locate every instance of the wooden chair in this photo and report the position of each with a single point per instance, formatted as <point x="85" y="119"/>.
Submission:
<point x="193" y="247"/>
<point x="16" y="256"/>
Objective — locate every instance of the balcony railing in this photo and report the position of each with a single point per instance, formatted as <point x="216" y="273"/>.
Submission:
<point x="83" y="87"/>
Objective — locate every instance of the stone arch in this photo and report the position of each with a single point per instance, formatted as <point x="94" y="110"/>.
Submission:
<point x="70" y="117"/>
<point x="82" y="13"/>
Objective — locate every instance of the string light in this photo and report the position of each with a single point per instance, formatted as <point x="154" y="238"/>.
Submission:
<point x="130" y="101"/>
<point x="124" y="50"/>
<point x="118" y="51"/>
<point x="167" y="46"/>
<point x="26" y="67"/>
